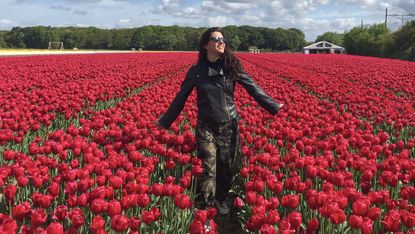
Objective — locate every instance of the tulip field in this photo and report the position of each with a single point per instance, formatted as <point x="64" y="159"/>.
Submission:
<point x="80" y="151"/>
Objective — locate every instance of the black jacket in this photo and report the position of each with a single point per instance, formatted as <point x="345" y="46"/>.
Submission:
<point x="215" y="95"/>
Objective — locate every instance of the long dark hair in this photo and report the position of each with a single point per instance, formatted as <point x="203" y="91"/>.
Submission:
<point x="231" y="64"/>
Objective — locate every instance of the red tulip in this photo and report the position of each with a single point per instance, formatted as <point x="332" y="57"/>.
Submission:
<point x="267" y="229"/>
<point x="373" y="213"/>
<point x="355" y="221"/>
<point x="360" y="207"/>
<point x="97" y="223"/>
<point x="312" y="225"/>
<point x="77" y="217"/>
<point x="135" y="224"/>
<point x="392" y="221"/>
<point x="116" y="182"/>
<point x="337" y="216"/>
<point x="366" y="226"/>
<point x="119" y="223"/>
<point x="284" y="225"/>
<point x="201" y="215"/>
<point x="21" y="211"/>
<point x="54" y="189"/>
<point x="211" y="212"/>
<point x="22" y="181"/>
<point x="197" y="170"/>
<point x="54" y="228"/>
<point x="8" y="225"/>
<point x="9" y="155"/>
<point x="9" y="192"/>
<point x="147" y="217"/>
<point x="238" y="202"/>
<point x="182" y="201"/>
<point x="143" y="200"/>
<point x="290" y="201"/>
<point x="38" y="217"/>
<point x="273" y="217"/>
<point x="295" y="219"/>
<point x="114" y="208"/>
<point x="244" y="172"/>
<point x="250" y="197"/>
<point x="157" y="189"/>
<point x="61" y="212"/>
<point x="196" y="227"/>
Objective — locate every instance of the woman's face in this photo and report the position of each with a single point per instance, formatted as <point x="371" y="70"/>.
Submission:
<point x="216" y="44"/>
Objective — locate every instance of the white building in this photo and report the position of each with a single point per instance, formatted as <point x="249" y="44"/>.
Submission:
<point x="323" y="47"/>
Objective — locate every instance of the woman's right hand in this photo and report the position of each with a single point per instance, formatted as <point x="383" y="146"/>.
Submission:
<point x="158" y="125"/>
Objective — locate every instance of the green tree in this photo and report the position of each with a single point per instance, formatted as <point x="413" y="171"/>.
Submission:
<point x="167" y="41"/>
<point x="333" y="37"/>
<point x="374" y="40"/>
<point x="120" y="39"/>
<point x="234" y="42"/>
<point x="144" y="37"/>
<point x="70" y="39"/>
<point x="153" y="37"/>
<point x="3" y="43"/>
<point x="192" y="38"/>
<point x="98" y="38"/>
<point x="276" y="39"/>
<point x="40" y="36"/>
<point x="296" y="39"/>
<point x="15" y="38"/>
<point x="404" y="43"/>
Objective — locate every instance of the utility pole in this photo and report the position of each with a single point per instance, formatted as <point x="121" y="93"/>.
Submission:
<point x="401" y="17"/>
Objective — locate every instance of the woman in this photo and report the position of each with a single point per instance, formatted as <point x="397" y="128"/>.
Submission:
<point x="214" y="77"/>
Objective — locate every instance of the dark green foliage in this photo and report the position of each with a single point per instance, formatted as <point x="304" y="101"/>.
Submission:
<point x="333" y="37"/>
<point x="3" y="43"/>
<point x="377" y="40"/>
<point x="151" y="38"/>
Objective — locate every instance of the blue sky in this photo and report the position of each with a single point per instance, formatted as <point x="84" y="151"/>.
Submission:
<point x="313" y="17"/>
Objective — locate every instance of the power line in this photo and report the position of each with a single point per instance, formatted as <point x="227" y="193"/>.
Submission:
<point x="401" y="17"/>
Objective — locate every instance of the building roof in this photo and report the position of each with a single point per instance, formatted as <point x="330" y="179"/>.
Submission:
<point x="323" y="45"/>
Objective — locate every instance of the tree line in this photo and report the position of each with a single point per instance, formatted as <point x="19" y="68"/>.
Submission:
<point x="151" y="38"/>
<point x="376" y="40"/>
<point x="372" y="40"/>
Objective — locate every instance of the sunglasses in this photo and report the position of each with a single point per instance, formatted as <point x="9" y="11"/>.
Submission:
<point x="217" y="39"/>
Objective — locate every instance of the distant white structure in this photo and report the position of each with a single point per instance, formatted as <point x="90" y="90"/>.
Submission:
<point x="55" y="45"/>
<point x="323" y="47"/>
<point x="254" y="49"/>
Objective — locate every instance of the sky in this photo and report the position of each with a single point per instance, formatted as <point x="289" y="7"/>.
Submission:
<point x="313" y="17"/>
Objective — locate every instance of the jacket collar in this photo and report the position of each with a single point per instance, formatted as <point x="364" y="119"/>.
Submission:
<point x="211" y="71"/>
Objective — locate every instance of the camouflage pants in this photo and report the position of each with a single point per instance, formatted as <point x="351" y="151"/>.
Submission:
<point x="219" y="149"/>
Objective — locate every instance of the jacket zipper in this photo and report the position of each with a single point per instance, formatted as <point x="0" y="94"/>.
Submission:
<point x="224" y="97"/>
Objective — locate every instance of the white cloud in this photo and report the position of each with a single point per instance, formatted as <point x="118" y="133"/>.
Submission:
<point x="342" y="24"/>
<point x="217" y="21"/>
<point x="60" y="7"/>
<point x="407" y="5"/>
<point x="313" y="17"/>
<point x="80" y="12"/>
<point x="124" y="21"/>
<point x="171" y="5"/>
<point x="189" y="12"/>
<point x="228" y="7"/>
<point x="5" y="21"/>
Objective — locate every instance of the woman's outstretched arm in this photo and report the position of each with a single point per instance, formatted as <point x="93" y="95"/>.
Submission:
<point x="263" y="99"/>
<point x="179" y="101"/>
